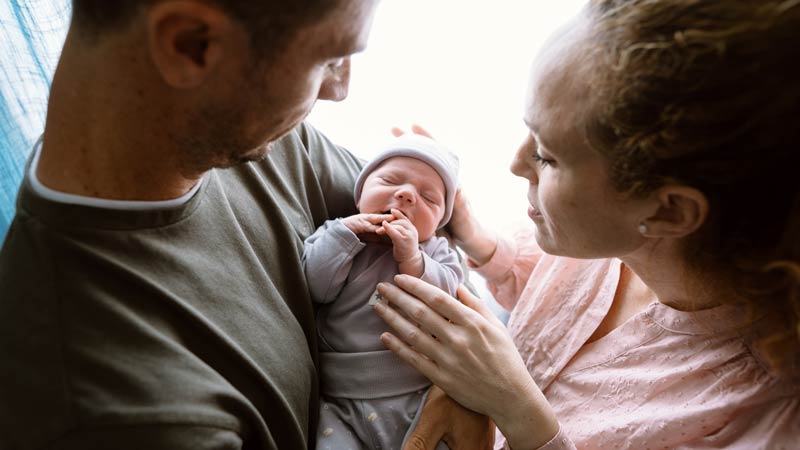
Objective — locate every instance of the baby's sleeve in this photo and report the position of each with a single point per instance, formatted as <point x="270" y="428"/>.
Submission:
<point x="327" y="259"/>
<point x="442" y="265"/>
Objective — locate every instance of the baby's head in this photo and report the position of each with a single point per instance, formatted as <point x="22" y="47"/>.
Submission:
<point x="415" y="175"/>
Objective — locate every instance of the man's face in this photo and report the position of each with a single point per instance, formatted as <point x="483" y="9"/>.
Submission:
<point x="270" y="98"/>
<point x="410" y="185"/>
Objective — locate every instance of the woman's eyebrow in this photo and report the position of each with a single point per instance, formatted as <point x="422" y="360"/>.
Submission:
<point x="534" y="128"/>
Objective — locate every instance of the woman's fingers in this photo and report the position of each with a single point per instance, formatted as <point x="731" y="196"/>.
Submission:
<point x="438" y="300"/>
<point x="415" y="129"/>
<point x="416" y="311"/>
<point x="411" y="357"/>
<point x="474" y="303"/>
<point x="418" y="129"/>
<point x="413" y="339"/>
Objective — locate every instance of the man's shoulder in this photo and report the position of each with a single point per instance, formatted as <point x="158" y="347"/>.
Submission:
<point x="306" y="139"/>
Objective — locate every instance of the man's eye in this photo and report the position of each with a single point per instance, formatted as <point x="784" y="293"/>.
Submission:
<point x="336" y="63"/>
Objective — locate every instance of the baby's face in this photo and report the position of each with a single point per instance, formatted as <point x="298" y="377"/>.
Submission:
<point x="407" y="184"/>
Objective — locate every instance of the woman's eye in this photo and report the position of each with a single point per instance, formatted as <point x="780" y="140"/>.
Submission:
<point x="544" y="162"/>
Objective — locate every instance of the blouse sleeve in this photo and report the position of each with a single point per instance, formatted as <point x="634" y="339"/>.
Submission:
<point x="508" y="270"/>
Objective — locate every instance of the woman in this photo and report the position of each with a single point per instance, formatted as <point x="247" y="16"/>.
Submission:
<point x="656" y="304"/>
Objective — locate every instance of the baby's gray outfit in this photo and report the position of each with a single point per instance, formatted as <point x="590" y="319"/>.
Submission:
<point x="370" y="397"/>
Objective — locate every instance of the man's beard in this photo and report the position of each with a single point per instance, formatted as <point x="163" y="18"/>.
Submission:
<point x="216" y="137"/>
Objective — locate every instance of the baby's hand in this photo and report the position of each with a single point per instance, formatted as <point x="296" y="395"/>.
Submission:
<point x="404" y="237"/>
<point x="366" y="223"/>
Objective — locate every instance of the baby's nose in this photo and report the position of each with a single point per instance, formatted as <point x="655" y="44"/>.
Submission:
<point x="406" y="195"/>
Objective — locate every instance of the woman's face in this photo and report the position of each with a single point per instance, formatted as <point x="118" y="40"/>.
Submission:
<point x="573" y="204"/>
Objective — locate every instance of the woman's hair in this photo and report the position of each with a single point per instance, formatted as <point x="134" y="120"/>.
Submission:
<point x="707" y="93"/>
<point x="271" y="23"/>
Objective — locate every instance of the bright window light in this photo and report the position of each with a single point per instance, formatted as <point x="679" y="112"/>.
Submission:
<point x="458" y="68"/>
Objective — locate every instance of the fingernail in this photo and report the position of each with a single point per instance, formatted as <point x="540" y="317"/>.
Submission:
<point x="379" y="306"/>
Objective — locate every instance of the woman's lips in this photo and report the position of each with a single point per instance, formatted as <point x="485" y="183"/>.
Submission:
<point x="534" y="213"/>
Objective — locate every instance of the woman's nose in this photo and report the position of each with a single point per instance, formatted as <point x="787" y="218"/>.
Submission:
<point x="523" y="164"/>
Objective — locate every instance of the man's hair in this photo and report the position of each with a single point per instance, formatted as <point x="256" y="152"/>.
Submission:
<point x="271" y="23"/>
<point x="706" y="93"/>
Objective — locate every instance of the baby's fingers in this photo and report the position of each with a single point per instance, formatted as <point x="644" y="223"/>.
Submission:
<point x="391" y="230"/>
<point x="396" y="213"/>
<point x="377" y="219"/>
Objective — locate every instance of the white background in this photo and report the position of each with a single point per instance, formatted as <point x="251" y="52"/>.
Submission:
<point x="459" y="68"/>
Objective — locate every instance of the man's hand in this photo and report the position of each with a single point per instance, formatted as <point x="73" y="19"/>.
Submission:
<point x="442" y="418"/>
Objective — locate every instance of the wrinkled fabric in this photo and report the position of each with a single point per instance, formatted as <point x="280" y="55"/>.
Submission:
<point x="371" y="395"/>
<point x="664" y="379"/>
<point x="343" y="273"/>
<point x="31" y="35"/>
<point x="188" y="327"/>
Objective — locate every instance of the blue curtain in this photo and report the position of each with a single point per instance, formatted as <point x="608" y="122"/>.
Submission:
<point x="32" y="33"/>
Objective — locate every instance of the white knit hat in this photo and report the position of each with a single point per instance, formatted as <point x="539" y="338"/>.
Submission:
<point x="427" y="150"/>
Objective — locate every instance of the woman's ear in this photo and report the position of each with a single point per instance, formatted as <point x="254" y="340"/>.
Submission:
<point x="681" y="211"/>
<point x="187" y="40"/>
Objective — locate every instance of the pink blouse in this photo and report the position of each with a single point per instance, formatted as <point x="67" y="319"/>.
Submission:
<point x="664" y="379"/>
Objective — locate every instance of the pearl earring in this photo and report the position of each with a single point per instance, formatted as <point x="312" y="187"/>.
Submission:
<point x="642" y="228"/>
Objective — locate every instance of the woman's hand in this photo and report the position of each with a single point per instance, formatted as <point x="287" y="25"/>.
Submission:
<point x="415" y="129"/>
<point x="468" y="352"/>
<point x="468" y="233"/>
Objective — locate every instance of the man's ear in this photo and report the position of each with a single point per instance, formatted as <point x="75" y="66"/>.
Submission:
<point x="681" y="211"/>
<point x="187" y="40"/>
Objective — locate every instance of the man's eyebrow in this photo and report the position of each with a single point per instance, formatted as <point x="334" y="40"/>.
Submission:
<point x="348" y="45"/>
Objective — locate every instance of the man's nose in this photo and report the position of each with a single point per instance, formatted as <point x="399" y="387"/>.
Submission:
<point x="336" y="85"/>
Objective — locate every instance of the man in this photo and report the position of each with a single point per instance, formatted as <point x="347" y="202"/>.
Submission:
<point x="151" y="300"/>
